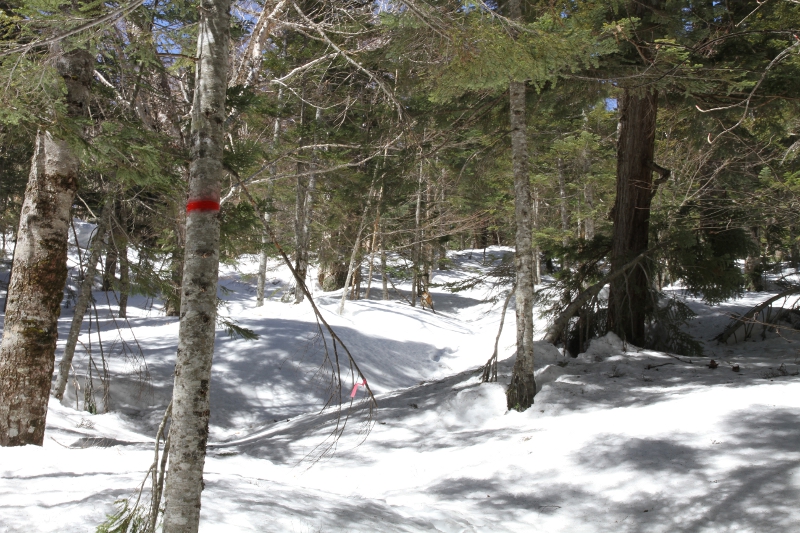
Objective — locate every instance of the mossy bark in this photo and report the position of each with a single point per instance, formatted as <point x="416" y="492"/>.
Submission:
<point x="40" y="271"/>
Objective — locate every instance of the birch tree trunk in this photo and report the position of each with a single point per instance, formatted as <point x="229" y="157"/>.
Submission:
<point x="39" y="271"/>
<point x="354" y="254"/>
<point x="81" y="305"/>
<point x="522" y="388"/>
<point x="190" y="396"/>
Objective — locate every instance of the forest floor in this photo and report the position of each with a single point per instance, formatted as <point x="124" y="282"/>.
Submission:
<point x="620" y="439"/>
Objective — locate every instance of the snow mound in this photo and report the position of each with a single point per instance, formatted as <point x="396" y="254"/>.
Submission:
<point x="475" y="406"/>
<point x="602" y="348"/>
<point x="546" y="375"/>
<point x="545" y="354"/>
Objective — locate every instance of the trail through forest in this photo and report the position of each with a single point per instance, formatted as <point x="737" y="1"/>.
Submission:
<point x="620" y="439"/>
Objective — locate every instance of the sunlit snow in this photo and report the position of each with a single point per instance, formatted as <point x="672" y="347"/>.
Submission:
<point x="620" y="439"/>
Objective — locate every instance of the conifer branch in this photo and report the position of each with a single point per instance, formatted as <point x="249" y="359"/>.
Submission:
<point x="389" y="94"/>
<point x="108" y="17"/>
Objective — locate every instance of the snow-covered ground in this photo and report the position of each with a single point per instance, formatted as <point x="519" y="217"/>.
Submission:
<point x="619" y="440"/>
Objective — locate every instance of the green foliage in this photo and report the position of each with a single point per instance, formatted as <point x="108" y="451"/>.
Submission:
<point x="705" y="261"/>
<point x="485" y="54"/>
<point x="665" y="334"/>
<point x="240" y="230"/>
<point x="235" y="331"/>
<point x="125" y="520"/>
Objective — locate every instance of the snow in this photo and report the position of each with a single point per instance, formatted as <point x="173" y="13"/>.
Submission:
<point x="620" y="439"/>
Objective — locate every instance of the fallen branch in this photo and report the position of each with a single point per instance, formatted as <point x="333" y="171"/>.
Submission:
<point x="749" y="317"/>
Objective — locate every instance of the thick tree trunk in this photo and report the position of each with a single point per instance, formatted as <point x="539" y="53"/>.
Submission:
<point x="81" y="305"/>
<point x="39" y="271"/>
<point x="522" y="388"/>
<point x="629" y="301"/>
<point x="190" y="396"/>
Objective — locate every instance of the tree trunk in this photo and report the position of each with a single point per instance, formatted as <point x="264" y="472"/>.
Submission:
<point x="124" y="279"/>
<point x="110" y="270"/>
<point x="81" y="305"/>
<point x="352" y="266"/>
<point x="303" y="224"/>
<point x="588" y="223"/>
<point x="537" y="253"/>
<point x="629" y="301"/>
<point x="522" y="388"/>
<point x="372" y="246"/>
<point x="417" y="249"/>
<point x="752" y="264"/>
<point x="562" y="194"/>
<point x="384" y="274"/>
<point x="39" y="271"/>
<point x="262" y="258"/>
<point x="190" y="396"/>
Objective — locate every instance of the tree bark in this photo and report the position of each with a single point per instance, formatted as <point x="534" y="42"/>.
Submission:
<point x="752" y="264"/>
<point x="302" y="232"/>
<point x="354" y="254"/>
<point x="562" y="194"/>
<point x="263" y="257"/>
<point x="522" y="388"/>
<point x="373" y="243"/>
<point x="124" y="279"/>
<point x="110" y="270"/>
<point x="384" y="274"/>
<point x="190" y="396"/>
<point x="588" y="223"/>
<point x="629" y="301"/>
<point x="81" y="305"/>
<point x="39" y="271"/>
<point x="417" y="249"/>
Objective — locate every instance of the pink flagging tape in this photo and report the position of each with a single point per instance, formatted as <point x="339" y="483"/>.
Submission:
<point x="202" y="205"/>
<point x="356" y="385"/>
